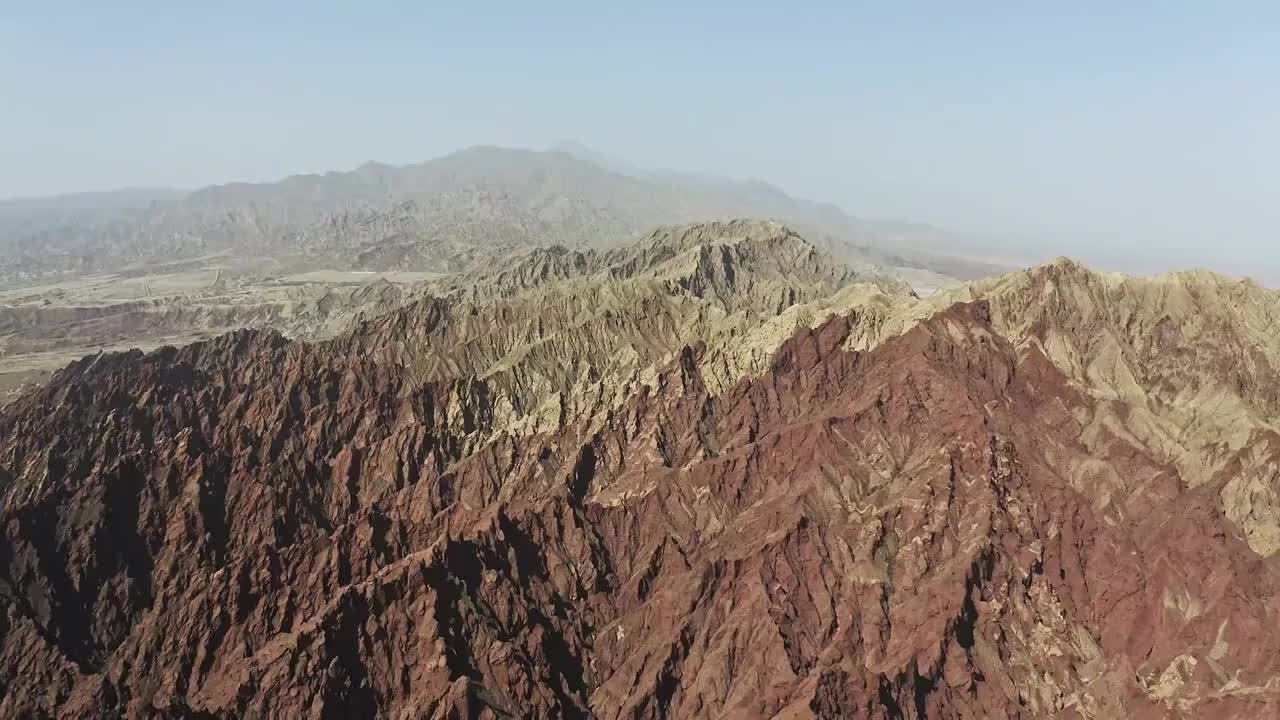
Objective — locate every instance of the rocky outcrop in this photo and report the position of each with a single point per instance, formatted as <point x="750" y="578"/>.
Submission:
<point x="903" y="509"/>
<point x="560" y="335"/>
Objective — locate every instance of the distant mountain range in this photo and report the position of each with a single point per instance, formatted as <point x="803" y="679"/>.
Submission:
<point x="446" y="214"/>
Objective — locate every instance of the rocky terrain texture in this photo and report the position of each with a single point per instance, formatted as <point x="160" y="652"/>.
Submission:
<point x="447" y="215"/>
<point x="712" y="474"/>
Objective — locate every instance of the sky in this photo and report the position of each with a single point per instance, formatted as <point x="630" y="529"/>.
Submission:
<point x="1137" y="134"/>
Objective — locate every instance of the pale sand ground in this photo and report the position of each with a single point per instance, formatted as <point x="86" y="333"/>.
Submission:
<point x="358" y="277"/>
<point x="213" y="282"/>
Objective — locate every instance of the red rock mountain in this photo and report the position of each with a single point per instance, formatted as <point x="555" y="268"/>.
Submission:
<point x="681" y="483"/>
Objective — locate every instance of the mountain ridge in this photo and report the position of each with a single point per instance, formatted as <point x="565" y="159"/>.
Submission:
<point x="420" y="216"/>
<point x="1052" y="494"/>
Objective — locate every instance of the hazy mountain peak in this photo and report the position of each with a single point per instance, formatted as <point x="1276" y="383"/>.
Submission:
<point x="442" y="214"/>
<point x="603" y="160"/>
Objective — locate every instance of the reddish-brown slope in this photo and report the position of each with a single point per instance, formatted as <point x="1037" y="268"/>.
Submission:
<point x="250" y="527"/>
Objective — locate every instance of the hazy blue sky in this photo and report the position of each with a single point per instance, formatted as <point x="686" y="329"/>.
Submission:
<point x="1151" y="130"/>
